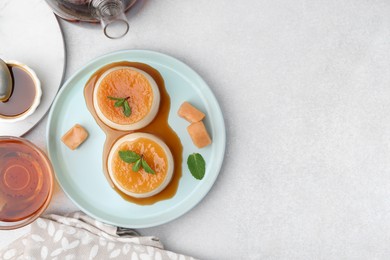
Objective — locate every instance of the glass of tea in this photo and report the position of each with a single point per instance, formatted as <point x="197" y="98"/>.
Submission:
<point x="26" y="182"/>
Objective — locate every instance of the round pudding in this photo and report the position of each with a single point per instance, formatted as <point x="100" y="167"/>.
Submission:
<point x="120" y="85"/>
<point x="141" y="183"/>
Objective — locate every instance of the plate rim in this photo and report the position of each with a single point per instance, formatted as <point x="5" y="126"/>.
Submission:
<point x="192" y="201"/>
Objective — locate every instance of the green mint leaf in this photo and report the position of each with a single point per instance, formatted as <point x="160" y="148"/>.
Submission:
<point x="122" y="102"/>
<point x="196" y="165"/>
<point x="147" y="167"/>
<point x="138" y="160"/>
<point x="115" y="98"/>
<point x="119" y="103"/>
<point x="126" y="108"/>
<point x="129" y="156"/>
<point x="137" y="165"/>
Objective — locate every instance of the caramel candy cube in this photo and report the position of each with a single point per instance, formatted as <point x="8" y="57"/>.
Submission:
<point x="190" y="113"/>
<point x="75" y="137"/>
<point x="199" y="135"/>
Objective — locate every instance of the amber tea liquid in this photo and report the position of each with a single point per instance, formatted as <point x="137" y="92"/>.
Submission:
<point x="25" y="180"/>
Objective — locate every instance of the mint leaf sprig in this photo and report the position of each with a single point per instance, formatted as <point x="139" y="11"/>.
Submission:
<point x="124" y="103"/>
<point x="138" y="160"/>
<point x="196" y="165"/>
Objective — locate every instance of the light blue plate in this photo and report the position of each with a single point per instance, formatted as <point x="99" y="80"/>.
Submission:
<point x="80" y="172"/>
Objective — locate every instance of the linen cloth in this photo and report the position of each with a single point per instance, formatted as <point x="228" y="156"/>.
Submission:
<point x="78" y="236"/>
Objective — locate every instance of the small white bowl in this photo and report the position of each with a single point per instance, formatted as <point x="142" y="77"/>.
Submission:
<point x="37" y="98"/>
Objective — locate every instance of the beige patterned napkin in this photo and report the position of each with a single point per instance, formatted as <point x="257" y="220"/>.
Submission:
<point x="78" y="236"/>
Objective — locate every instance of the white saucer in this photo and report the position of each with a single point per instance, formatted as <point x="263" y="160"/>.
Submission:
<point x="30" y="33"/>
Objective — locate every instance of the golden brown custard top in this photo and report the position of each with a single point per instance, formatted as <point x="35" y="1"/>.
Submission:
<point x="141" y="181"/>
<point x="125" y="83"/>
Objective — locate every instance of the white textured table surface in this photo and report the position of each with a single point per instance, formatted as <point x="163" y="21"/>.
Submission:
<point x="305" y="90"/>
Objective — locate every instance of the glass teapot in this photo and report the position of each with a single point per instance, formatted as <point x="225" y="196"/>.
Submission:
<point x="110" y="13"/>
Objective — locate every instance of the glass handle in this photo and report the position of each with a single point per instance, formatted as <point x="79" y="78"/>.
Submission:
<point x="112" y="17"/>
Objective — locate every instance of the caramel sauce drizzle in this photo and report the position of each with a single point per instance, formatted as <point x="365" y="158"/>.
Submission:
<point x="158" y="127"/>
